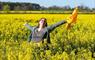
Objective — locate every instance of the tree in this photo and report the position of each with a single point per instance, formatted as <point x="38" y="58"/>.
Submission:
<point x="93" y="9"/>
<point x="84" y="8"/>
<point x="1" y="6"/>
<point x="17" y="8"/>
<point x="6" y="8"/>
<point x="24" y="7"/>
<point x="54" y="8"/>
<point x="67" y="7"/>
<point x="43" y="8"/>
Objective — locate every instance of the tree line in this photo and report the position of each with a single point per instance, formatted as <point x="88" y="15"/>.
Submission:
<point x="6" y="6"/>
<point x="22" y="6"/>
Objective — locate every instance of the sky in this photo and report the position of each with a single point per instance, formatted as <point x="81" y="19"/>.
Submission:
<point x="47" y="3"/>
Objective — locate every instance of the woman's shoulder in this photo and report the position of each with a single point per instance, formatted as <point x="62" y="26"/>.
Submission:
<point x="35" y="27"/>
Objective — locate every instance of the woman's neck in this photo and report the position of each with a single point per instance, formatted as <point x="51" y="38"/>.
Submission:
<point x="40" y="28"/>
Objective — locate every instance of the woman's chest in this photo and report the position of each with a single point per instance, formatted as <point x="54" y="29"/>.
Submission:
<point x="40" y="33"/>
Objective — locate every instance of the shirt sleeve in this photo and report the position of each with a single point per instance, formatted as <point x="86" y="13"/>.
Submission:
<point x="52" y="27"/>
<point x="28" y="26"/>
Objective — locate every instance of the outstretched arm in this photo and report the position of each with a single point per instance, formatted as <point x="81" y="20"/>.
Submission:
<point x="28" y="26"/>
<point x="52" y="27"/>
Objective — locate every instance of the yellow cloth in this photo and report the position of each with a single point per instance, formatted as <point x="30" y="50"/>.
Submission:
<point x="73" y="18"/>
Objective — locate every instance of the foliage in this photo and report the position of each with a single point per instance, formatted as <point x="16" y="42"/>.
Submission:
<point x="77" y="43"/>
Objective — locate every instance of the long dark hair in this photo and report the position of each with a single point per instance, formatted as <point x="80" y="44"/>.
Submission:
<point x="45" y="20"/>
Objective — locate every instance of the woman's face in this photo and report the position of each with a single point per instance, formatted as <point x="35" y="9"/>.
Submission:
<point x="42" y="22"/>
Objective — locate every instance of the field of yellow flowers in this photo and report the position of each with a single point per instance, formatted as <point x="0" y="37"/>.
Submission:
<point x="78" y="43"/>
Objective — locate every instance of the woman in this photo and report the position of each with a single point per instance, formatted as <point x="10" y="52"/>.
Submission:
<point x="42" y="31"/>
